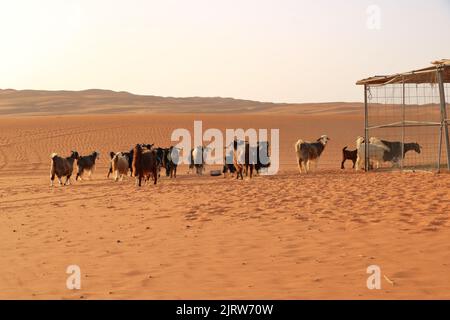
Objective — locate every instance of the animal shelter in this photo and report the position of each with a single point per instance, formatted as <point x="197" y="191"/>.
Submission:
<point x="410" y="110"/>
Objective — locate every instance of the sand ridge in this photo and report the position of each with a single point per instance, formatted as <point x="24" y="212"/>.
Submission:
<point x="95" y="101"/>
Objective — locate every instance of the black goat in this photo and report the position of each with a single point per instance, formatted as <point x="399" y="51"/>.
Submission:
<point x="349" y="155"/>
<point x="87" y="163"/>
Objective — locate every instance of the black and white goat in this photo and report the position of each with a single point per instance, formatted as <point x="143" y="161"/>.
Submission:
<point x="394" y="154"/>
<point x="309" y="151"/>
<point x="87" y="163"/>
<point x="170" y="161"/>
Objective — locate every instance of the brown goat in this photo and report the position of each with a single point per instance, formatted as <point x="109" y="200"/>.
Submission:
<point x="62" y="167"/>
<point x="144" y="164"/>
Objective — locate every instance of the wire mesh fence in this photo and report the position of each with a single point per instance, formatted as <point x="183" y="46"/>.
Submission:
<point x="409" y="114"/>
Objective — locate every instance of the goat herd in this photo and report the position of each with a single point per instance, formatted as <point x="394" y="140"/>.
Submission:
<point x="144" y="161"/>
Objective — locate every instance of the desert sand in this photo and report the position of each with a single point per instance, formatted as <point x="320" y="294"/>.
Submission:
<point x="286" y="236"/>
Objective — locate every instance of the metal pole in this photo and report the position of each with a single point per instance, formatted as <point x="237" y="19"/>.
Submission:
<point x="366" y="130"/>
<point x="439" y="150"/>
<point x="444" y="123"/>
<point x="403" y="124"/>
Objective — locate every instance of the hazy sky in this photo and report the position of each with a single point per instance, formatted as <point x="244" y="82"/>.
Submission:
<point x="270" y="50"/>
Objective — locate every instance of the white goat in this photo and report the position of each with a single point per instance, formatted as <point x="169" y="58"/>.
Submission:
<point x="376" y="153"/>
<point x="119" y="166"/>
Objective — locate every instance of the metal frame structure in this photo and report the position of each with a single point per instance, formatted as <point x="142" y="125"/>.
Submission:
<point x="438" y="74"/>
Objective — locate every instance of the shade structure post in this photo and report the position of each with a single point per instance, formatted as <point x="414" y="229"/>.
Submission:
<point x="444" y="120"/>
<point x="403" y="125"/>
<point x="366" y="130"/>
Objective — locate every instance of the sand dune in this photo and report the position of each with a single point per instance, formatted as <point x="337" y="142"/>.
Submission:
<point x="283" y="236"/>
<point x="35" y="102"/>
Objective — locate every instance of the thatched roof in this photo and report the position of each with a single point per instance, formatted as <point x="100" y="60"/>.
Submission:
<point x="425" y="75"/>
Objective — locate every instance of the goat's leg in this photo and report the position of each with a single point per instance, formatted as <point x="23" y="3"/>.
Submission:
<point x="300" y="165"/>
<point x="354" y="162"/>
<point x="79" y="174"/>
<point x="67" y="180"/>
<point x="59" y="180"/>
<point x="342" y="164"/>
<point x="304" y="167"/>
<point x="240" y="173"/>
<point x="52" y="177"/>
